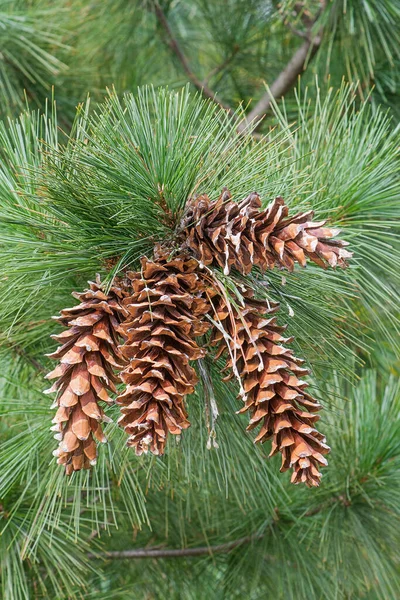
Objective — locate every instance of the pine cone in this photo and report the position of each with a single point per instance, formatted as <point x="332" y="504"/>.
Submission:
<point x="271" y="389"/>
<point x="239" y="235"/>
<point x="88" y="356"/>
<point x="165" y="312"/>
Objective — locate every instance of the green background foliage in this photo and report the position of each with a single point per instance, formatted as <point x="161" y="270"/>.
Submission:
<point x="84" y="180"/>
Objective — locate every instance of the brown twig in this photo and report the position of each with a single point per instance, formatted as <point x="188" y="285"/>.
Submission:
<point x="301" y="11"/>
<point x="296" y="65"/>
<point x="285" y="80"/>
<point x="210" y="550"/>
<point x="177" y="50"/>
<point x="177" y="552"/>
<point x="222" y="66"/>
<point x="23" y="354"/>
<point x="282" y="84"/>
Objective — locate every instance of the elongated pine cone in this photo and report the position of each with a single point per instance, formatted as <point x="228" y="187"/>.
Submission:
<point x="239" y="235"/>
<point x="165" y="312"/>
<point x="271" y="389"/>
<point x="85" y="374"/>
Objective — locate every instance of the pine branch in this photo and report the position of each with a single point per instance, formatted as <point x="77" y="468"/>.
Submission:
<point x="32" y="361"/>
<point x="177" y="552"/>
<point x="222" y="66"/>
<point x="287" y="77"/>
<point x="285" y="80"/>
<point x="282" y="84"/>
<point x="177" y="50"/>
<point x="210" y="550"/>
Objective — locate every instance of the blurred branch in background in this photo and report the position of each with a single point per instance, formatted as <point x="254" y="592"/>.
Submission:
<point x="283" y="82"/>
<point x="296" y="65"/>
<point x="177" y="50"/>
<point x="176" y="552"/>
<point x="227" y="50"/>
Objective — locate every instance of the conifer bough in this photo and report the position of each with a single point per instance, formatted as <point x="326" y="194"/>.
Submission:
<point x="163" y="314"/>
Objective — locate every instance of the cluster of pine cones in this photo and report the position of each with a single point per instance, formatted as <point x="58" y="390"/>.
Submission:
<point x="145" y="332"/>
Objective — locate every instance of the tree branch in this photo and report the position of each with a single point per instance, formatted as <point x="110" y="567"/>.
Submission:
<point x="177" y="552"/>
<point x="23" y="354"/>
<point x="285" y="80"/>
<point x="282" y="84"/>
<point x="177" y="50"/>
<point x="222" y="66"/>
<point x="296" y="65"/>
<point x="210" y="550"/>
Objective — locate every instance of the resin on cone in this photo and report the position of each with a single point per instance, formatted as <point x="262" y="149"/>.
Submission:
<point x="88" y="357"/>
<point x="239" y="235"/>
<point x="165" y="312"/>
<point x="271" y="385"/>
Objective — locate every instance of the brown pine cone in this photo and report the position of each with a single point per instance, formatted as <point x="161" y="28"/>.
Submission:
<point x="88" y="358"/>
<point x="165" y="312"/>
<point x="271" y="389"/>
<point x="239" y="235"/>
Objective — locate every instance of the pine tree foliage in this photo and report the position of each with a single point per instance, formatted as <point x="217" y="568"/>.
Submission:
<point x="29" y="34"/>
<point x="211" y="501"/>
<point x="90" y="185"/>
<point x="77" y="47"/>
<point x="71" y="205"/>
